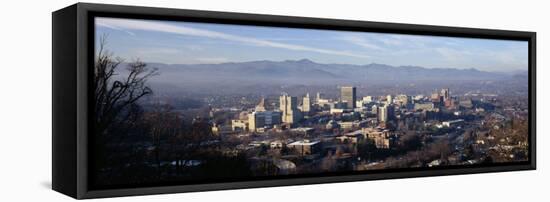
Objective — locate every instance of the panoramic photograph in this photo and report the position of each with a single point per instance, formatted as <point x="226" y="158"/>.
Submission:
<point x="190" y="102"/>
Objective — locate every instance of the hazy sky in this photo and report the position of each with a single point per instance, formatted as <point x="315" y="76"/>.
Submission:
<point x="192" y="43"/>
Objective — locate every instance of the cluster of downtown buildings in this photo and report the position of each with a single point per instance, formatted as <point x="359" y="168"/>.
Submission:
<point x="299" y="133"/>
<point x="290" y="112"/>
<point x="366" y="118"/>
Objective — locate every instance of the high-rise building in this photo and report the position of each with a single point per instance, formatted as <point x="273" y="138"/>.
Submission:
<point x="383" y="114"/>
<point x="391" y="112"/>
<point x="389" y="99"/>
<point x="374" y="109"/>
<point x="289" y="108"/>
<point x="348" y="94"/>
<point x="263" y="119"/>
<point x="306" y="104"/>
<point x="445" y="94"/>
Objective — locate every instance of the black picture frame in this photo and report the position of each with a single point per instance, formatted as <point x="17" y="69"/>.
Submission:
<point x="72" y="62"/>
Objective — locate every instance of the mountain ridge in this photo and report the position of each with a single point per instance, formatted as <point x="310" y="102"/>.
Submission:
<point x="307" y="71"/>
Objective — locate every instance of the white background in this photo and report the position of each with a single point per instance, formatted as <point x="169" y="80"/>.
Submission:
<point x="25" y="102"/>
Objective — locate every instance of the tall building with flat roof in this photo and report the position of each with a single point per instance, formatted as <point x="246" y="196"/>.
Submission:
<point x="306" y="104"/>
<point x="445" y="94"/>
<point x="383" y="114"/>
<point x="348" y="94"/>
<point x="289" y="108"/>
<point x="263" y="119"/>
<point x="374" y="109"/>
<point x="389" y="99"/>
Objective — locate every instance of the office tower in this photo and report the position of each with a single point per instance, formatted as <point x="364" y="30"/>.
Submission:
<point x="391" y="112"/>
<point x="263" y="119"/>
<point x="383" y="114"/>
<point x="289" y="108"/>
<point x="306" y="104"/>
<point x="348" y="95"/>
<point x="389" y="99"/>
<point x="255" y="120"/>
<point x="374" y="109"/>
<point x="445" y="94"/>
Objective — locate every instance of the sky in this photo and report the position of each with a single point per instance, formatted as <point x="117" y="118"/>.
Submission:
<point x="174" y="42"/>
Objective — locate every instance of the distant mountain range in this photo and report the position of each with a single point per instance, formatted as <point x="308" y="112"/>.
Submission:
<point x="306" y="71"/>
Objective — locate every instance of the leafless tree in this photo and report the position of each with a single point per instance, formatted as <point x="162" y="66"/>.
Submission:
<point x="115" y="93"/>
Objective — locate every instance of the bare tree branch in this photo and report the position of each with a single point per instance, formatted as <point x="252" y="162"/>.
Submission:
<point x="114" y="94"/>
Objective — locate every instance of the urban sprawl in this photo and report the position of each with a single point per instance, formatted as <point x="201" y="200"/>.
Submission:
<point x="294" y="135"/>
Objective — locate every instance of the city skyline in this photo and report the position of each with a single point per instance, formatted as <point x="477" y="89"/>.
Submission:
<point x="204" y="43"/>
<point x="158" y="123"/>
